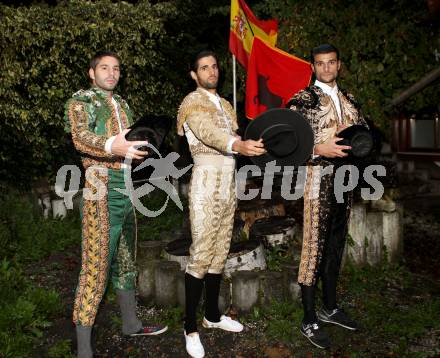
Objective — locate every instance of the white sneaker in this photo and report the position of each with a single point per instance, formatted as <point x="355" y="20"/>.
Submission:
<point x="194" y="346"/>
<point x="226" y="323"/>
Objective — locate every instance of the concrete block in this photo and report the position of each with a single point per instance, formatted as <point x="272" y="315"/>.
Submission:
<point x="384" y="204"/>
<point x="224" y="300"/>
<point x="180" y="287"/>
<point x="271" y="287"/>
<point x="149" y="250"/>
<point x="166" y="283"/>
<point x="292" y="290"/>
<point x="245" y="256"/>
<point x="146" y="281"/>
<point x="374" y="238"/>
<point x="357" y="229"/>
<point x="393" y="235"/>
<point x="59" y="209"/>
<point x="245" y="288"/>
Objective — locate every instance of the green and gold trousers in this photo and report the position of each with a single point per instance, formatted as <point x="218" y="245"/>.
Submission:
<point x="108" y="242"/>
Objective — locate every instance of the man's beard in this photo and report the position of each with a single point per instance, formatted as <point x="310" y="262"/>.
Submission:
<point x="328" y="80"/>
<point x="208" y="85"/>
<point x="106" y="86"/>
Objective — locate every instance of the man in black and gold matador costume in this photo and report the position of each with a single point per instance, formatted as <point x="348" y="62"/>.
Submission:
<point x="328" y="110"/>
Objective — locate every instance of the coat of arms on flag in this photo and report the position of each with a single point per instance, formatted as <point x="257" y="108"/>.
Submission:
<point x="244" y="26"/>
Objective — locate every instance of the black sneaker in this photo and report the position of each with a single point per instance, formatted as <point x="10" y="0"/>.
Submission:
<point x="315" y="334"/>
<point x="339" y="317"/>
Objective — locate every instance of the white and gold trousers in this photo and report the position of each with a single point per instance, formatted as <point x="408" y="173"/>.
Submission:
<point x="212" y="203"/>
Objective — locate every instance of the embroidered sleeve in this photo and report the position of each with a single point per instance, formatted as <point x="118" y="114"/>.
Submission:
<point x="304" y="102"/>
<point x="207" y="132"/>
<point x="298" y="105"/>
<point x="360" y="118"/>
<point x="85" y="141"/>
<point x="305" y="99"/>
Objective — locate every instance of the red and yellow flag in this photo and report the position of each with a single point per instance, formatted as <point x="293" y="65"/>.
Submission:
<point x="273" y="77"/>
<point x="244" y="26"/>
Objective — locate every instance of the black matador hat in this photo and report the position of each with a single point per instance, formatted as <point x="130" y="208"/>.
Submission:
<point x="287" y="137"/>
<point x="359" y="138"/>
<point x="150" y="127"/>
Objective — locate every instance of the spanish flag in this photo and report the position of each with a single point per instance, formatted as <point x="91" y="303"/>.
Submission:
<point x="244" y="26"/>
<point x="273" y="77"/>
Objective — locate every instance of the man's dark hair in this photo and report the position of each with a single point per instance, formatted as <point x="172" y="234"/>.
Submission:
<point x="199" y="55"/>
<point x="324" y="48"/>
<point x="95" y="59"/>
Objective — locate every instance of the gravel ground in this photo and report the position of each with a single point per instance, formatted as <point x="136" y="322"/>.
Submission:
<point x="422" y="250"/>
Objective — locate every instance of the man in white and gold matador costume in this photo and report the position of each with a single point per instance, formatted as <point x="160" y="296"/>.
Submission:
<point x="209" y="123"/>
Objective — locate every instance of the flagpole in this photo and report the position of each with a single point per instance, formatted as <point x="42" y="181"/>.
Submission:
<point x="234" y="81"/>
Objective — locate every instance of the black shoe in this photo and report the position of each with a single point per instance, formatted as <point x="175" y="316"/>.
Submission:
<point x="315" y="334"/>
<point x="339" y="317"/>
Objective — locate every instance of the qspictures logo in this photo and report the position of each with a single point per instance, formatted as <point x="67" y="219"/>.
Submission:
<point x="293" y="179"/>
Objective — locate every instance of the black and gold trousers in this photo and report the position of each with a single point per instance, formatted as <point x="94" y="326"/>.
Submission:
<point x="320" y="218"/>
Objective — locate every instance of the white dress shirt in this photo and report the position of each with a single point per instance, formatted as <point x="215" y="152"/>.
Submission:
<point x="333" y="93"/>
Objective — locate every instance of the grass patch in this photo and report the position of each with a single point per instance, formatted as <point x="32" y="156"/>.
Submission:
<point x="25" y="312"/>
<point x="391" y="305"/>
<point x="277" y="257"/>
<point x="280" y="319"/>
<point x="26" y="237"/>
<point x="61" y="349"/>
<point x="172" y="317"/>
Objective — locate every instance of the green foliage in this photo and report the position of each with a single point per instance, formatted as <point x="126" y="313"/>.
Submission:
<point x="172" y="317"/>
<point x="44" y="54"/>
<point x="61" y="349"/>
<point x="25" y="311"/>
<point x="386" y="313"/>
<point x="276" y="257"/>
<point x="282" y="318"/>
<point x="116" y="321"/>
<point x="26" y="236"/>
<point x="386" y="46"/>
<point x="396" y="309"/>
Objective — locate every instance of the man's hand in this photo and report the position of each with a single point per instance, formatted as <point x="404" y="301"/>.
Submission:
<point x="249" y="147"/>
<point x="331" y="149"/>
<point x="340" y="128"/>
<point x="124" y="148"/>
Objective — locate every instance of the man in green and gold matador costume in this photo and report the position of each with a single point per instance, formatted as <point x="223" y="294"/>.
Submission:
<point x="98" y="121"/>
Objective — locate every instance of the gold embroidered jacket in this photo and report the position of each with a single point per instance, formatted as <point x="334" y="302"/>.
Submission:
<point x="91" y="119"/>
<point x="320" y="111"/>
<point x="210" y="129"/>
